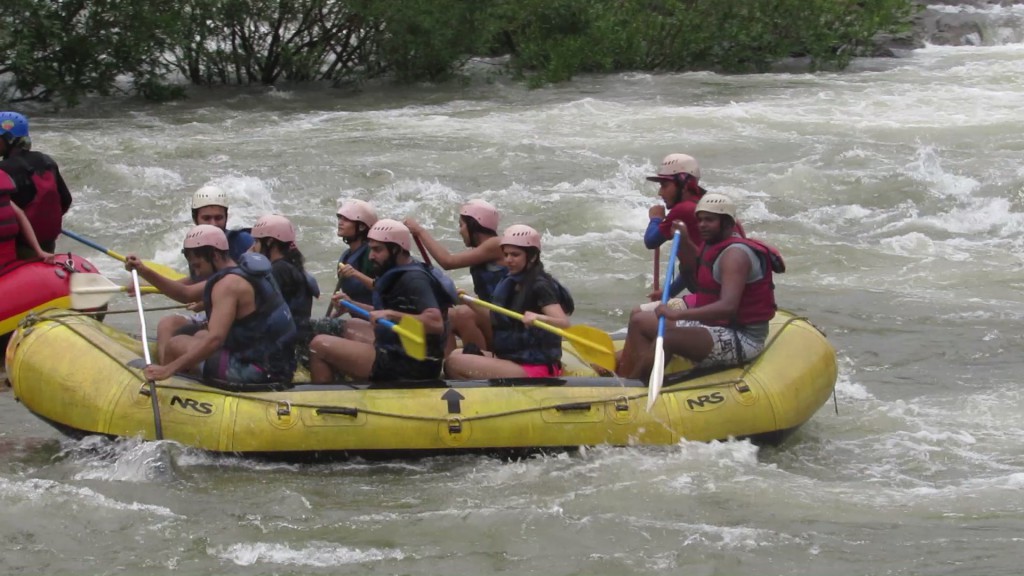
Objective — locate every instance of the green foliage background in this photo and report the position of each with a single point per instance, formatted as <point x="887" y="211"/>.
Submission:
<point x="62" y="50"/>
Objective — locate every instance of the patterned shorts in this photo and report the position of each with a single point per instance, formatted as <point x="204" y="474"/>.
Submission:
<point x="724" y="351"/>
<point x="317" y="326"/>
<point x="223" y="366"/>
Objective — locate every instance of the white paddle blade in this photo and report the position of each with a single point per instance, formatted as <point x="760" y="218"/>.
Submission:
<point x="90" y="291"/>
<point x="657" y="373"/>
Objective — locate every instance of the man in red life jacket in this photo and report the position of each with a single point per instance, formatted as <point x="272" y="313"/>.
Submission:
<point x="678" y="179"/>
<point x="14" y="225"/>
<point x="735" y="299"/>
<point x="41" y="191"/>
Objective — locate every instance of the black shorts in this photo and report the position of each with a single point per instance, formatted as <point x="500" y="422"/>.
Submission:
<point x="391" y="365"/>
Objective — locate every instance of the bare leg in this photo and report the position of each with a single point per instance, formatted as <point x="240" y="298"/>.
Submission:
<point x="470" y="366"/>
<point x="330" y="354"/>
<point x="638" y="349"/>
<point x="165" y="331"/>
<point x="177" y="347"/>
<point x="359" y="330"/>
<point x="464" y="323"/>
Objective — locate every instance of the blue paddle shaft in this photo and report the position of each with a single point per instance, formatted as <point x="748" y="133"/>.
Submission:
<point x="364" y="313"/>
<point x="84" y="240"/>
<point x="668" y="280"/>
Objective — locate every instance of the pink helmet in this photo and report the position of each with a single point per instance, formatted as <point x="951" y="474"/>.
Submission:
<point x="206" y="235"/>
<point x="393" y="231"/>
<point x="521" y="235"/>
<point x="483" y="212"/>
<point x="274" y="226"/>
<point x="358" y="211"/>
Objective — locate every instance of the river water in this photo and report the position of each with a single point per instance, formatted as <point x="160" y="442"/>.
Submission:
<point x="895" y="190"/>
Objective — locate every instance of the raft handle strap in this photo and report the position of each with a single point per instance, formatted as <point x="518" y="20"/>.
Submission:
<point x="573" y="406"/>
<point x="341" y="410"/>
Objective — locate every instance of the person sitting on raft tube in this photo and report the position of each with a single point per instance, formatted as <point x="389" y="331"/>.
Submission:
<point x="478" y="225"/>
<point x="404" y="287"/>
<point x="521" y="350"/>
<point x="14" y="223"/>
<point x="678" y="178"/>
<point x="250" y="335"/>
<point x="40" y="191"/>
<point x="355" y="271"/>
<point x="274" y="238"/>
<point x="735" y="299"/>
<point x="209" y="207"/>
<point x="355" y="280"/>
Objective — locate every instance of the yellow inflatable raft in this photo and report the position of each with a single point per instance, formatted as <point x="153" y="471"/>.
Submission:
<point x="85" y="378"/>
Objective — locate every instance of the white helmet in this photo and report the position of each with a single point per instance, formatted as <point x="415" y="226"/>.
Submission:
<point x="209" y="196"/>
<point x="717" y="204"/>
<point x="675" y="164"/>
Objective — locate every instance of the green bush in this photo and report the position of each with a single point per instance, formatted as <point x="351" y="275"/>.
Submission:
<point x="64" y="50"/>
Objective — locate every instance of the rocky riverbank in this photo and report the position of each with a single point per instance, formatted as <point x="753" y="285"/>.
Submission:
<point x="960" y="23"/>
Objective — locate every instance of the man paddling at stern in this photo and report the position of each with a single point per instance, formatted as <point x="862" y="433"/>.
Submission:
<point x="250" y="336"/>
<point x="735" y="298"/>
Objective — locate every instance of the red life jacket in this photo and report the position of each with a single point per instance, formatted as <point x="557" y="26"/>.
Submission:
<point x="9" y="227"/>
<point x="758" y="301"/>
<point x="44" y="211"/>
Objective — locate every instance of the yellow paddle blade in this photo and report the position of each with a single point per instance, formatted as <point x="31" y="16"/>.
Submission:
<point x="410" y="333"/>
<point x="593" y="345"/>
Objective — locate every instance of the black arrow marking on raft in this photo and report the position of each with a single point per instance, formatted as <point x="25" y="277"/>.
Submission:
<point x="454" y="401"/>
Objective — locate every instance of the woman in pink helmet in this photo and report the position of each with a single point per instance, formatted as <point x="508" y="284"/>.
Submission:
<point x="478" y="225"/>
<point x="274" y="237"/>
<point x="520" y="350"/>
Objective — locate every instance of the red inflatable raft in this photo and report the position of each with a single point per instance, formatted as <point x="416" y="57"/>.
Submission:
<point x="28" y="285"/>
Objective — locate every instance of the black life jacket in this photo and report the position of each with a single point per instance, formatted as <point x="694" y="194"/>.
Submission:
<point x="266" y="337"/>
<point x="516" y="341"/>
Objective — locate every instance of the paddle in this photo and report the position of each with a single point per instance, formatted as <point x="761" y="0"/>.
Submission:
<point x="165" y="271"/>
<point x="154" y="402"/>
<point x="423" y="252"/>
<point x="658" y="371"/>
<point x="657" y="266"/>
<point x="409" y="330"/>
<point x="593" y="345"/>
<point x="89" y="291"/>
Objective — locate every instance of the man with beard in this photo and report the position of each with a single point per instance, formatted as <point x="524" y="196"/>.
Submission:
<point x="209" y="207"/>
<point x="403" y="287"/>
<point x="251" y="334"/>
<point x="735" y="299"/>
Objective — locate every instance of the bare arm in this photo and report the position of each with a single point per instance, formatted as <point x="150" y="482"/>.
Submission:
<point x="735" y="267"/>
<point x="206" y="342"/>
<point x="552" y="314"/>
<point x="183" y="290"/>
<point x="489" y="251"/>
<point x="29" y="233"/>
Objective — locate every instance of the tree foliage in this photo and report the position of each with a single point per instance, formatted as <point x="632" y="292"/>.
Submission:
<point x="64" y="49"/>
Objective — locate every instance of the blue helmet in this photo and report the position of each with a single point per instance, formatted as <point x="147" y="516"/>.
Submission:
<point x="13" y="125"/>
